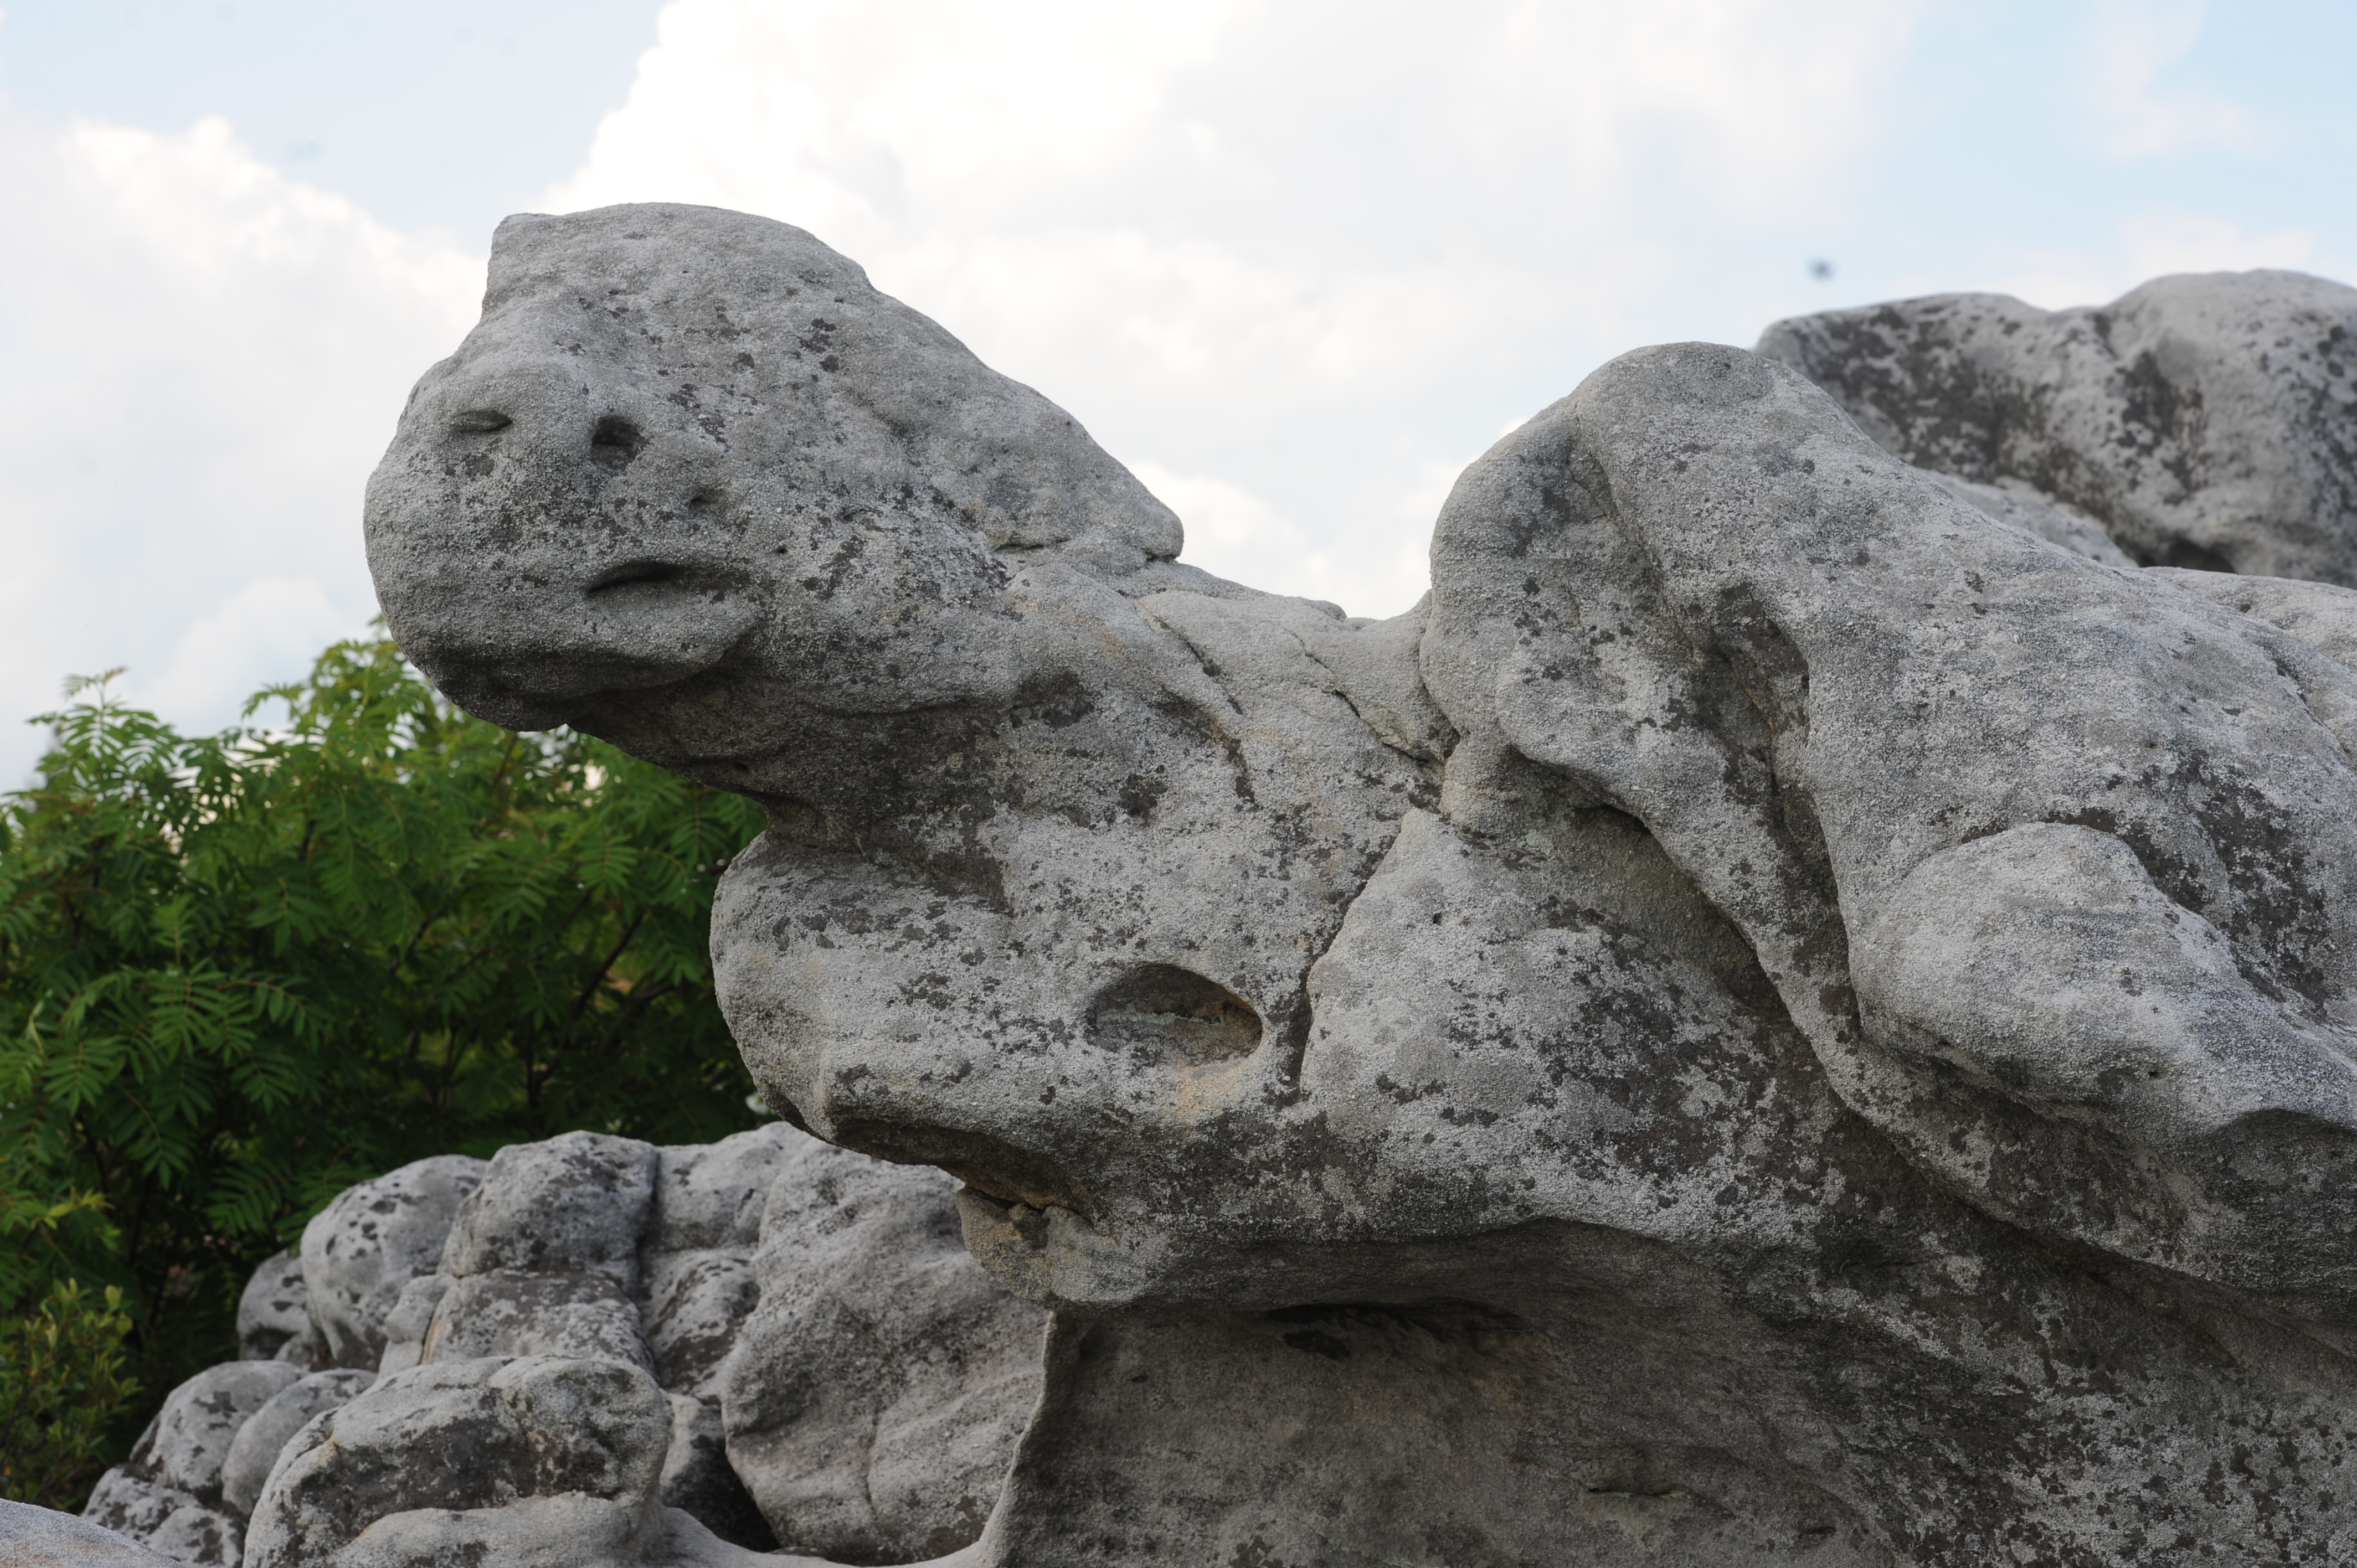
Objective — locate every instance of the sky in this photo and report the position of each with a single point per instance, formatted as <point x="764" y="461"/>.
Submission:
<point x="1296" y="264"/>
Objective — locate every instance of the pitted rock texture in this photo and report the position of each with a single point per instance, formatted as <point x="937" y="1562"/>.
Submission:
<point x="34" y="1537"/>
<point x="1798" y="1010"/>
<point x="168" y="1495"/>
<point x="873" y="1397"/>
<point x="255" y="1448"/>
<point x="593" y="1272"/>
<point x="2203" y="421"/>
<point x="376" y="1237"/>
<point x="586" y="1437"/>
<point x="273" y="1310"/>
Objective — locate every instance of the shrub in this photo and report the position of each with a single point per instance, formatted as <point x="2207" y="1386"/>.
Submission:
<point x="63" y="1382"/>
<point x="238" y="972"/>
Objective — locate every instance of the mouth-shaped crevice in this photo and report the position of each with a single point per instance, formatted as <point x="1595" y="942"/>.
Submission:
<point x="1162" y="1015"/>
<point x="635" y="573"/>
<point x="1000" y="1170"/>
<point x="614" y="442"/>
<point x="479" y="421"/>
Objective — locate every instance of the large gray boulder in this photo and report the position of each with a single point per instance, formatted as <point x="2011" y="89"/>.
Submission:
<point x="586" y="1436"/>
<point x="543" y="1258"/>
<point x="2203" y="421"/>
<point x="873" y="1397"/>
<point x="1798" y="1010"/>
<point x="255" y="1448"/>
<point x="377" y="1236"/>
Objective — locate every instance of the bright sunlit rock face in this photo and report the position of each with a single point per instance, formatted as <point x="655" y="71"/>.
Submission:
<point x="1789" y="969"/>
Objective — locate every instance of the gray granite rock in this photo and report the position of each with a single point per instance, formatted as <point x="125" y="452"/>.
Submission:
<point x="575" y="1202"/>
<point x="402" y="1472"/>
<point x="589" y="1250"/>
<point x="698" y="1286"/>
<point x="271" y="1313"/>
<point x="375" y="1238"/>
<point x="2316" y="613"/>
<point x="34" y="1537"/>
<point x="2050" y="520"/>
<point x="874" y="1398"/>
<point x="1780" y="1016"/>
<point x="698" y="1480"/>
<point x="543" y="1256"/>
<point x="256" y="1446"/>
<point x="168" y="1495"/>
<point x="2203" y="420"/>
<point x="190" y="1438"/>
<point x="711" y="1196"/>
<point x="177" y="1525"/>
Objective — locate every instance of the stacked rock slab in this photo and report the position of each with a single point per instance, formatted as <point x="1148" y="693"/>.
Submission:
<point x="557" y="1369"/>
<point x="2203" y="421"/>
<point x="1798" y="1010"/>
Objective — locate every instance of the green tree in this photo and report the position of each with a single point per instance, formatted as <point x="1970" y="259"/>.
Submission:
<point x="239" y="972"/>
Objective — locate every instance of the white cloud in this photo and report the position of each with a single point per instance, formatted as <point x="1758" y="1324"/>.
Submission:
<point x="2130" y="43"/>
<point x="267" y="632"/>
<point x="201" y="361"/>
<point x="2165" y="241"/>
<point x="2148" y="244"/>
<point x="1234" y="534"/>
<point x="1243" y="240"/>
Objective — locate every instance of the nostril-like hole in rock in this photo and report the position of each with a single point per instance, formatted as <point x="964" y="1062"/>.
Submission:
<point x="634" y="574"/>
<point x="614" y="442"/>
<point x="703" y="500"/>
<point x="1169" y="1017"/>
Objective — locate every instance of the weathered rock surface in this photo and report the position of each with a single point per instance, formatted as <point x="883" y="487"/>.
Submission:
<point x="168" y="1495"/>
<point x="2055" y="523"/>
<point x="697" y="1288"/>
<point x="1798" y="1010"/>
<point x="262" y="1435"/>
<point x="34" y="1537"/>
<point x="2203" y="421"/>
<point x="875" y="1396"/>
<point x="584" y="1438"/>
<point x="272" y="1313"/>
<point x="375" y="1238"/>
<point x="543" y="1259"/>
<point x="595" y="1272"/>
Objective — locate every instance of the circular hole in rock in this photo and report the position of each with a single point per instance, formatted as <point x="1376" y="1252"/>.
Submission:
<point x="1172" y="1017"/>
<point x="615" y="442"/>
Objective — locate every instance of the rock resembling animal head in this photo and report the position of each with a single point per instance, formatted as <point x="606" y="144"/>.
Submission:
<point x="692" y="477"/>
<point x="693" y="486"/>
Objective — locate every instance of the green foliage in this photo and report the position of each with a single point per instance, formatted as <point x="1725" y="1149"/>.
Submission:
<point x="238" y="972"/>
<point x="63" y="1381"/>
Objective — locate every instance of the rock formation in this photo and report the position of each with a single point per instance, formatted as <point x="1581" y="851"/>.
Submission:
<point x="2202" y="421"/>
<point x="1798" y="1010"/>
<point x="594" y="1350"/>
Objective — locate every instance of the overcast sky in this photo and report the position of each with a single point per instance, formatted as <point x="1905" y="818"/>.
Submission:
<point x="1296" y="264"/>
